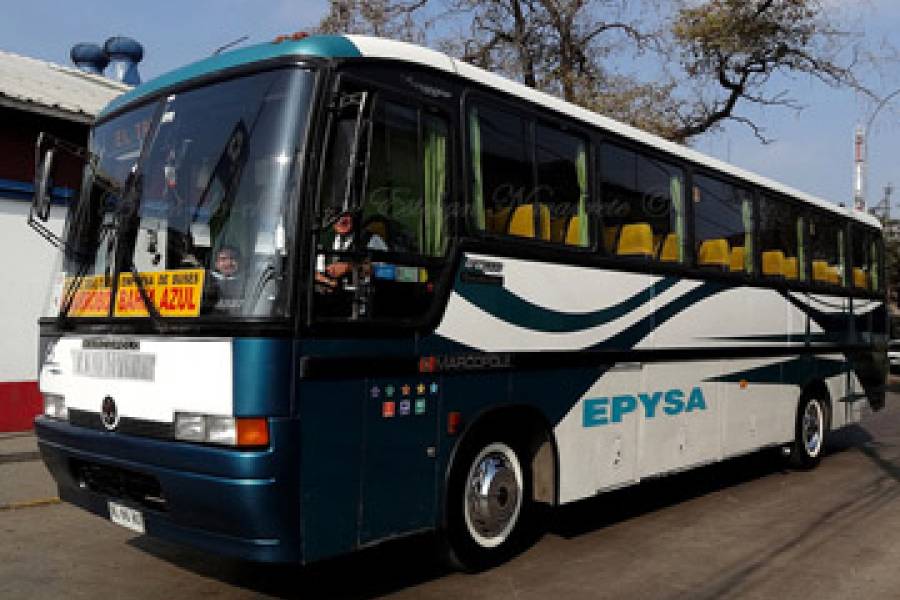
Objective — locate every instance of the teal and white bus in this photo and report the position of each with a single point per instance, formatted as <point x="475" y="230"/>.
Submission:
<point x="325" y="292"/>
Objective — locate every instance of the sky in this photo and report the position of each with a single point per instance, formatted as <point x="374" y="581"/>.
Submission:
<point x="812" y="150"/>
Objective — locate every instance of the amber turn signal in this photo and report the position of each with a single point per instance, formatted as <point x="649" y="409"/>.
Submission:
<point x="252" y="432"/>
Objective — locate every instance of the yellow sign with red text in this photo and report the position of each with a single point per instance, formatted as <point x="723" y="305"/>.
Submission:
<point x="173" y="293"/>
<point x="91" y="298"/>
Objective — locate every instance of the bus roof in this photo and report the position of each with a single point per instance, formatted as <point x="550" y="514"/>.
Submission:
<point x="354" y="46"/>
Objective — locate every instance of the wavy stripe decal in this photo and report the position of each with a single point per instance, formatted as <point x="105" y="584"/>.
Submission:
<point x="515" y="310"/>
<point x="628" y="338"/>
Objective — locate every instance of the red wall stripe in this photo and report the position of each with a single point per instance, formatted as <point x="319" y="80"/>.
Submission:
<point x="20" y="403"/>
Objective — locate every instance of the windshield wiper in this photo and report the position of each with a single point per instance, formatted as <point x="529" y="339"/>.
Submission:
<point x="127" y="222"/>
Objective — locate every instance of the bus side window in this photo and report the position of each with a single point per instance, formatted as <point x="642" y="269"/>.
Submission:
<point x="876" y="260"/>
<point x="502" y="174"/>
<point x="642" y="206"/>
<point x="827" y="250"/>
<point x="562" y="184"/>
<point x="782" y="240"/>
<point x="862" y="278"/>
<point x="406" y="192"/>
<point x="723" y="225"/>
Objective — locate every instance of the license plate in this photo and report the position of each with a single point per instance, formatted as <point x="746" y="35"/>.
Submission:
<point x="126" y="517"/>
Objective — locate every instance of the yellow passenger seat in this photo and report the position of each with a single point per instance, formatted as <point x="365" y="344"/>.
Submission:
<point x="790" y="268"/>
<point x="821" y="271"/>
<point x="860" y="279"/>
<point x="736" y="263"/>
<point x="573" y="233"/>
<point x="636" y="239"/>
<point x="669" y="250"/>
<point x="773" y="263"/>
<point x="714" y="253"/>
<point x="522" y="222"/>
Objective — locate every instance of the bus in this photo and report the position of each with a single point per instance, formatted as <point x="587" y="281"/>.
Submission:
<point x="328" y="291"/>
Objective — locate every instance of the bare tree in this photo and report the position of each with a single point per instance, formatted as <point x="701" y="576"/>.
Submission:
<point x="740" y="45"/>
<point x="714" y="56"/>
<point x="384" y="18"/>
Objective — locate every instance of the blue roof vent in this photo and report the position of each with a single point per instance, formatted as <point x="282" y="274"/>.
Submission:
<point x="90" y="58"/>
<point x="125" y="54"/>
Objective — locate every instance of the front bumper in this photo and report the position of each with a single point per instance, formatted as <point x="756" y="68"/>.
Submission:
<point x="243" y="504"/>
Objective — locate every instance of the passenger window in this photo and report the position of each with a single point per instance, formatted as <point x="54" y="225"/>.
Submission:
<point x="864" y="273"/>
<point x="782" y="241"/>
<point x="876" y="259"/>
<point x="642" y="206"/>
<point x="392" y="210"/>
<point x="562" y="184"/>
<point x="826" y="250"/>
<point x="502" y="174"/>
<point x="723" y="226"/>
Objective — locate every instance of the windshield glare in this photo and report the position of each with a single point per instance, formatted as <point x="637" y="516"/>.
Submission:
<point x="205" y="176"/>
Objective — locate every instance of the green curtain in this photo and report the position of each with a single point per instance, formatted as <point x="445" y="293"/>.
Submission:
<point x="842" y="258"/>
<point x="581" y="168"/>
<point x="435" y="164"/>
<point x="801" y="248"/>
<point x="477" y="181"/>
<point x="675" y="189"/>
<point x="747" y="214"/>
<point x="874" y="265"/>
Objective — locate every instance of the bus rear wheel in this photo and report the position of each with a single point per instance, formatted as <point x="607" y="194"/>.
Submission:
<point x="809" y="433"/>
<point x="488" y="503"/>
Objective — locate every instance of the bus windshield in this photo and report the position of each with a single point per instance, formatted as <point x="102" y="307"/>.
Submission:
<point x="188" y="194"/>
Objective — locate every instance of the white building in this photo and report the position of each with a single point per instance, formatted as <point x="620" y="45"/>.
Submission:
<point x="35" y="96"/>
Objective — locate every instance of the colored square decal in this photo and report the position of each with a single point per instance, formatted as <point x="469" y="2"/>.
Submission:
<point x="434" y="388"/>
<point x="404" y="408"/>
<point x="384" y="271"/>
<point x="388" y="409"/>
<point x="389" y="391"/>
<point x="406" y="274"/>
<point x="420" y="406"/>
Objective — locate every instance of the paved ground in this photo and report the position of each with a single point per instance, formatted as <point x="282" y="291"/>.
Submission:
<point x="742" y="529"/>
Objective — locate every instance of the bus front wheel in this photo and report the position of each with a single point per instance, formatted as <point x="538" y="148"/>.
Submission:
<point x="809" y="433"/>
<point x="489" y="503"/>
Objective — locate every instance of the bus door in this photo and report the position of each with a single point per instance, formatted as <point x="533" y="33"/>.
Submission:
<point x="380" y="257"/>
<point x="399" y="448"/>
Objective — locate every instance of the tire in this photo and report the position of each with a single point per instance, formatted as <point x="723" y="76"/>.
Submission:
<point x="489" y="506"/>
<point x="810" y="431"/>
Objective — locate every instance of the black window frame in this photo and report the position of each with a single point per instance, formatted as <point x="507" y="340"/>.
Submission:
<point x="652" y="154"/>
<point x="533" y="116"/>
<point x="394" y="327"/>
<point x="839" y="223"/>
<point x="753" y="196"/>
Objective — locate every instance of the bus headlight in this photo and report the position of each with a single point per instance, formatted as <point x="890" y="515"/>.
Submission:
<point x="190" y="427"/>
<point x="222" y="430"/>
<point x="55" y="406"/>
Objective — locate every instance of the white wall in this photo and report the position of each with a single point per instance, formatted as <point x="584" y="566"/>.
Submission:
<point x="26" y="262"/>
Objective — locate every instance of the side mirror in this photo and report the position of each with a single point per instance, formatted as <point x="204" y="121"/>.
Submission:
<point x="43" y="179"/>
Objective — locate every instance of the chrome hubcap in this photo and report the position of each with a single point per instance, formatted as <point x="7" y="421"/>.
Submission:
<point x="493" y="496"/>
<point x="811" y="427"/>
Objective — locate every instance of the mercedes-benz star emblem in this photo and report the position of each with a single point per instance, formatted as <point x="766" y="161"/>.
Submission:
<point x="109" y="414"/>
